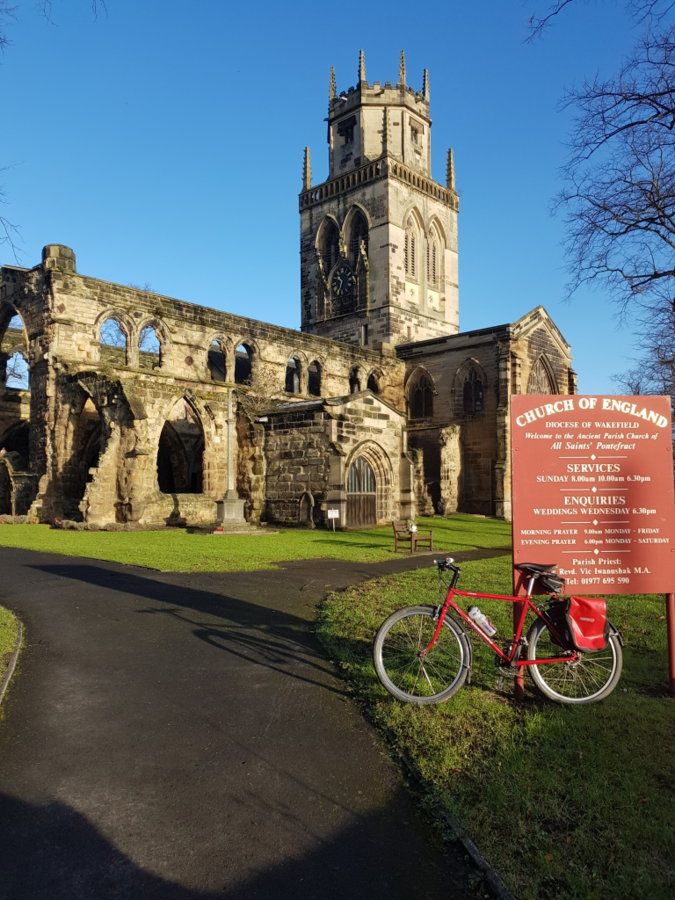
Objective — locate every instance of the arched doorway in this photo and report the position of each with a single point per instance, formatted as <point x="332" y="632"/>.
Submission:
<point x="180" y="454"/>
<point x="361" y="494"/>
<point x="5" y="490"/>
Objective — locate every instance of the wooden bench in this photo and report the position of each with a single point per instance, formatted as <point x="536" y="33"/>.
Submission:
<point x="402" y="535"/>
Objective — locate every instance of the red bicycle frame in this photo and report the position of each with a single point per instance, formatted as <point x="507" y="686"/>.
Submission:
<point x="510" y="657"/>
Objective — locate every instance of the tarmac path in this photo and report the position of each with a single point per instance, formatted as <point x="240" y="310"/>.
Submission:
<point x="184" y="736"/>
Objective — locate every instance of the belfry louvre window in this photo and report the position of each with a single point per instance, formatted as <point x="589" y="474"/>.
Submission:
<point x="346" y="130"/>
<point x="432" y="262"/>
<point x="410" y="251"/>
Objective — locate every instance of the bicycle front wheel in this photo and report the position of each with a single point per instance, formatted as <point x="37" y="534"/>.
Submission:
<point x="593" y="676"/>
<point x="408" y="675"/>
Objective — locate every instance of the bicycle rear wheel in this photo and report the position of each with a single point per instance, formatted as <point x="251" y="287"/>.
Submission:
<point x="592" y="677"/>
<point x="407" y="675"/>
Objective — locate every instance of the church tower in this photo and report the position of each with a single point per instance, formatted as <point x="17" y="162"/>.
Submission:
<point x="378" y="250"/>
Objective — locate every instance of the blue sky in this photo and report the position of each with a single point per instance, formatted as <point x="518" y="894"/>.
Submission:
<point x="163" y="142"/>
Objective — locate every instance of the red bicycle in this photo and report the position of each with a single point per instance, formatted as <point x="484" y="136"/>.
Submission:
<point x="422" y="654"/>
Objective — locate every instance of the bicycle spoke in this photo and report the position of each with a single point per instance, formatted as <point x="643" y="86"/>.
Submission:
<point x="411" y="673"/>
<point x="580" y="680"/>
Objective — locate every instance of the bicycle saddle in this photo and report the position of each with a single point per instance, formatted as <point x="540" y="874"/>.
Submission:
<point x="534" y="568"/>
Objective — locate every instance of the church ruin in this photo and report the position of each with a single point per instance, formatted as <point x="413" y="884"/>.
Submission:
<point x="121" y="407"/>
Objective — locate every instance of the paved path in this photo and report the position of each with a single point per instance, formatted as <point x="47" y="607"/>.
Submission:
<point x="184" y="736"/>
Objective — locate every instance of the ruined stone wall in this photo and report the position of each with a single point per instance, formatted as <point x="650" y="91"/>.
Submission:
<point x="113" y="477"/>
<point x="297" y="449"/>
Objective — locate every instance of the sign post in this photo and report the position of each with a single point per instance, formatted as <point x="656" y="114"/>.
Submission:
<point x="333" y="514"/>
<point x="592" y="491"/>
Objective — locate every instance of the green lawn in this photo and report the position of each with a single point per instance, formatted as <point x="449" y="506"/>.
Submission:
<point x="565" y="802"/>
<point x="8" y="632"/>
<point x="176" y="550"/>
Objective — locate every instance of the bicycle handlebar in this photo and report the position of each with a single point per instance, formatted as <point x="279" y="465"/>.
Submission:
<point x="447" y="563"/>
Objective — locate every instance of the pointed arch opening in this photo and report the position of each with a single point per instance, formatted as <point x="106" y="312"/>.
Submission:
<point x="542" y="380"/>
<point x="85" y="440"/>
<point x="421" y="391"/>
<point x="373" y="383"/>
<point x="149" y="348"/>
<point x="6" y="492"/>
<point x="14" y="367"/>
<point x="473" y="394"/>
<point x="180" y="454"/>
<point x="314" y="379"/>
<point x="354" y="380"/>
<point x="368" y="487"/>
<point x="435" y="252"/>
<point x="328" y="244"/>
<point x="293" y="375"/>
<point x="243" y="364"/>
<point x="113" y="342"/>
<point x="357" y="236"/>
<point x="217" y="361"/>
<point x="469" y="389"/>
<point x="16" y="439"/>
<point x="411" y="246"/>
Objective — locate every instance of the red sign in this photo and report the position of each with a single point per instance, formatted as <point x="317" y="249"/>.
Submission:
<point x="592" y="490"/>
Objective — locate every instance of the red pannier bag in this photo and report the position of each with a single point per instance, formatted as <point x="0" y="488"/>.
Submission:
<point x="587" y="623"/>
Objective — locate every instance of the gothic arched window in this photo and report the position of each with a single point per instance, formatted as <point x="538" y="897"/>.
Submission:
<point x="243" y="364"/>
<point x="354" y="381"/>
<point x="314" y="379"/>
<point x="293" y="375"/>
<point x="541" y="380"/>
<point x="216" y="361"/>
<point x="358" y="233"/>
<point x="113" y="341"/>
<point x="328" y="244"/>
<point x="473" y="400"/>
<point x="149" y="348"/>
<point x="421" y="397"/>
<point x="373" y="383"/>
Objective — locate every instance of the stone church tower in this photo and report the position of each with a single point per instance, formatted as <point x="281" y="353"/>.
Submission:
<point x="379" y="236"/>
<point x="123" y="408"/>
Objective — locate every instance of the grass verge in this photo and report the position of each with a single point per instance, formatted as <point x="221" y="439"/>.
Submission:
<point x="177" y="551"/>
<point x="567" y="802"/>
<point x="9" y="629"/>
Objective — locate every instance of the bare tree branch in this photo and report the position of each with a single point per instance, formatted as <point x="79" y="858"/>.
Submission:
<point x="618" y="199"/>
<point x="642" y="11"/>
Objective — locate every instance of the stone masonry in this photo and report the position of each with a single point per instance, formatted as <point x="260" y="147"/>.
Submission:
<point x="123" y="408"/>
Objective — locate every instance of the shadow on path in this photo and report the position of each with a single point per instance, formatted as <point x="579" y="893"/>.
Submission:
<point x="258" y="634"/>
<point x="51" y="851"/>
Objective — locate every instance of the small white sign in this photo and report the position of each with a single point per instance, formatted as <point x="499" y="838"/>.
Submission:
<point x="333" y="513"/>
